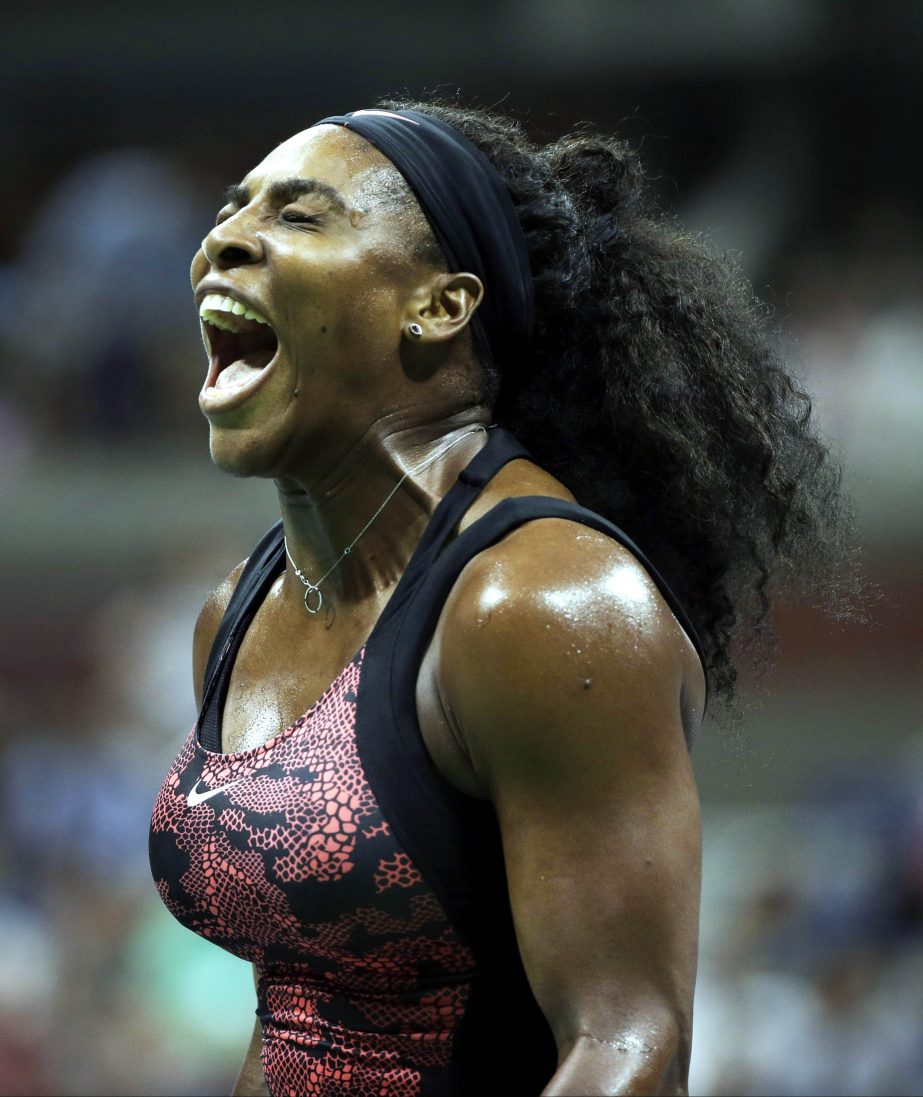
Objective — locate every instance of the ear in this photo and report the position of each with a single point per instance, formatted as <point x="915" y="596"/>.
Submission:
<point x="445" y="306"/>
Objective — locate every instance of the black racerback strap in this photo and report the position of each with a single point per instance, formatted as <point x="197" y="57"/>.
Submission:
<point x="263" y="565"/>
<point x="445" y="821"/>
<point x="454" y="839"/>
<point x="494" y="526"/>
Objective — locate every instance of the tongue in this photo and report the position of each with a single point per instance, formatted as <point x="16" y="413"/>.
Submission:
<point x="240" y="372"/>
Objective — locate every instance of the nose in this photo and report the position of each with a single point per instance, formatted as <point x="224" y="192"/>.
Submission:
<point x="230" y="245"/>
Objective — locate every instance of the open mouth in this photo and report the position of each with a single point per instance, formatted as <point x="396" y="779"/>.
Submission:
<point x="241" y="341"/>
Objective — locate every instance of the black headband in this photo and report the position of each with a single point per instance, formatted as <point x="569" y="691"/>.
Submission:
<point x="469" y="210"/>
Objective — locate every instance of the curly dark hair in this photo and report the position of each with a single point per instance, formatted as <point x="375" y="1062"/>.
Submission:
<point x="652" y="388"/>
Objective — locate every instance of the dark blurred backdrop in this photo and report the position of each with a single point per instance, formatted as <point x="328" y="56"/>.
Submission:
<point x="787" y="131"/>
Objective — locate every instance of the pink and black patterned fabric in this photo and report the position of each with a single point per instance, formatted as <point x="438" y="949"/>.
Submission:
<point x="368" y="892"/>
<point x="293" y="867"/>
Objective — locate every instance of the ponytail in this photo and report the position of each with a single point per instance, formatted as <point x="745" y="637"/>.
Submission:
<point x="652" y="391"/>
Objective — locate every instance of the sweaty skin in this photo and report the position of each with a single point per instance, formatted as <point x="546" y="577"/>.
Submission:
<point x="585" y="760"/>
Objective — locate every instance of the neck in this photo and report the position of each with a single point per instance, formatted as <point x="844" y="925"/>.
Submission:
<point x="405" y="471"/>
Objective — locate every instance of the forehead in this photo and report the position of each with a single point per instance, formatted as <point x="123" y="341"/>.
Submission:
<point x="332" y="154"/>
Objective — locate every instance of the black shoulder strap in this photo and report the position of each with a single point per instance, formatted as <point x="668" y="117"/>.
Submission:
<point x="517" y="511"/>
<point x="491" y="528"/>
<point x="261" y="568"/>
<point x="500" y="449"/>
<point x="446" y="836"/>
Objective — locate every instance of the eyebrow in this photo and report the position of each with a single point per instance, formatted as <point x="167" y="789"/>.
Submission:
<point x="287" y="190"/>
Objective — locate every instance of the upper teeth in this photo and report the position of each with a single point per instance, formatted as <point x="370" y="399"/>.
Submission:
<point x="220" y="311"/>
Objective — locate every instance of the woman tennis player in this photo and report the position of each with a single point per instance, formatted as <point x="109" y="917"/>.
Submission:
<point x="535" y="463"/>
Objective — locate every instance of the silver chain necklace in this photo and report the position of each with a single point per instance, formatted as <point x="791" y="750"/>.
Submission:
<point x="313" y="598"/>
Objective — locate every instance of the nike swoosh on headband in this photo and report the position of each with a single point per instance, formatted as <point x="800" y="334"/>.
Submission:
<point x="386" y="114"/>
<point x="195" y="797"/>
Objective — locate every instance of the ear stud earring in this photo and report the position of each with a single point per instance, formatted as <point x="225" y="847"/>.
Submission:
<point x="415" y="330"/>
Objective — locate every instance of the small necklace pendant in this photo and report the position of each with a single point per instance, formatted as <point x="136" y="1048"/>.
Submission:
<point x="315" y="606"/>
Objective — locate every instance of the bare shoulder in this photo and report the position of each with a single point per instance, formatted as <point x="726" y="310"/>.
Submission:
<point x="559" y="624"/>
<point x="207" y="626"/>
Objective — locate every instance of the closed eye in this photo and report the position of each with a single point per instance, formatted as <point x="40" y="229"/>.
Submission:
<point x="295" y="217"/>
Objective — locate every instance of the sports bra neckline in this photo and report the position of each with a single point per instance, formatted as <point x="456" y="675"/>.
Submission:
<point x="264" y="566"/>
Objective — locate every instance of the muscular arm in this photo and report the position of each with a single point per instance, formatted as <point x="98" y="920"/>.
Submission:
<point x="568" y="681"/>
<point x="250" y="1080"/>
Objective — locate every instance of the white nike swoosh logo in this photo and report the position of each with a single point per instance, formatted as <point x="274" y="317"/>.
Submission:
<point x="195" y="797"/>
<point x="389" y="114"/>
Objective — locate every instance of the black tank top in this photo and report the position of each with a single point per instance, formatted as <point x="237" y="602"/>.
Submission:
<point x="369" y="892"/>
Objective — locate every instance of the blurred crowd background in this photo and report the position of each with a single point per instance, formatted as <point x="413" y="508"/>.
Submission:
<point x="785" y="130"/>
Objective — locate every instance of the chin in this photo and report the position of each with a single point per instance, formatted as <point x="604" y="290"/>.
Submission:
<point x="237" y="455"/>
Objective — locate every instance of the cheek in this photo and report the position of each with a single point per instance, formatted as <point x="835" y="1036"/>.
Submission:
<point x="348" y="311"/>
<point x="371" y="328"/>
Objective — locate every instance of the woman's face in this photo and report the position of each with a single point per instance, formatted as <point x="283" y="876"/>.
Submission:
<point x="314" y="242"/>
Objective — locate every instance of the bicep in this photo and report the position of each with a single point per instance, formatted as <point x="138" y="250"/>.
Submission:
<point x="603" y="873"/>
<point x="573" y="720"/>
